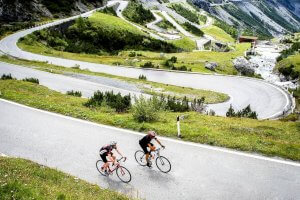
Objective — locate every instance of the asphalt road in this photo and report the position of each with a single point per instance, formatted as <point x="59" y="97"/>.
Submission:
<point x="198" y="171"/>
<point x="267" y="100"/>
<point x="87" y="85"/>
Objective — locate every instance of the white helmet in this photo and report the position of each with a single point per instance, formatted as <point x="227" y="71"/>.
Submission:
<point x="152" y="133"/>
<point x="113" y="143"/>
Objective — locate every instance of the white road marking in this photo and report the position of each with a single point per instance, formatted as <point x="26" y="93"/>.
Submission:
<point x="285" y="162"/>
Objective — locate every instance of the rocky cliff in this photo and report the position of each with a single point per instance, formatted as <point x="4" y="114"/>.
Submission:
<point x="268" y="17"/>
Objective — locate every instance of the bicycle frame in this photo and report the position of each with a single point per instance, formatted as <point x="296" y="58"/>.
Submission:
<point x="157" y="153"/>
<point x="116" y="166"/>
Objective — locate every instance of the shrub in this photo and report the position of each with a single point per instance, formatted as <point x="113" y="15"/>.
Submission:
<point x="198" y="105"/>
<point x="74" y="93"/>
<point x="95" y="100"/>
<point x="173" y="59"/>
<point x="147" y="65"/>
<point x="230" y="112"/>
<point x="146" y="110"/>
<point x="121" y="104"/>
<point x="177" y="105"/>
<point x="245" y="113"/>
<point x="7" y="77"/>
<point x="142" y="77"/>
<point x="170" y="62"/>
<point x="116" y="101"/>
<point x="32" y="80"/>
<point x="132" y="54"/>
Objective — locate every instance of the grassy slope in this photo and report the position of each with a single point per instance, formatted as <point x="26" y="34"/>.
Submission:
<point x="218" y="34"/>
<point x="112" y="23"/>
<point x="180" y="92"/>
<point x="193" y="60"/>
<point x="267" y="137"/>
<point x="185" y="43"/>
<point x="196" y="60"/>
<point x="293" y="59"/>
<point x="22" y="179"/>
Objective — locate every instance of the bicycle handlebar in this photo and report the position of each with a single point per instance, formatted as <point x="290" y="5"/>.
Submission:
<point x="123" y="158"/>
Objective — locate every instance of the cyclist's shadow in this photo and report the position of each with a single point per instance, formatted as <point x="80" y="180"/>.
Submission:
<point x="118" y="185"/>
<point x="156" y="175"/>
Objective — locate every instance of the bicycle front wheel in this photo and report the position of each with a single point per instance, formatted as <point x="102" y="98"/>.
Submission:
<point x="163" y="164"/>
<point x="99" y="165"/>
<point x="124" y="174"/>
<point x="140" y="157"/>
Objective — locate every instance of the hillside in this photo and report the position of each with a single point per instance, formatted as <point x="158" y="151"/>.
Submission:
<point x="33" y="10"/>
<point x="264" y="18"/>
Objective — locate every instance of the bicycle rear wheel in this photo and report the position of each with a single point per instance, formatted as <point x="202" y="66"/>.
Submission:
<point x="140" y="157"/>
<point x="123" y="174"/>
<point x="163" y="164"/>
<point x="99" y="164"/>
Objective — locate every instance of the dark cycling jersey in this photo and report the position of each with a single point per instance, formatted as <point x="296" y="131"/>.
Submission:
<point x="146" y="140"/>
<point x="105" y="150"/>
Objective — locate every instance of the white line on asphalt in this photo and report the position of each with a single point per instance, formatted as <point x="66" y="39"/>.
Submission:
<point x="296" y="164"/>
<point x="286" y="97"/>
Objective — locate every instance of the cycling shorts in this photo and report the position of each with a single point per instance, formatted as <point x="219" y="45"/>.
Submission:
<point x="144" y="147"/>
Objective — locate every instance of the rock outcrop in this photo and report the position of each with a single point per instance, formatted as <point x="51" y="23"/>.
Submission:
<point x="211" y="66"/>
<point x="245" y="67"/>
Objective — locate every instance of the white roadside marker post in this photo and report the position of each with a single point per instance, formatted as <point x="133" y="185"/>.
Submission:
<point x="178" y="125"/>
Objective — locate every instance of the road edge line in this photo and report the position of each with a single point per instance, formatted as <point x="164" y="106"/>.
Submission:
<point x="224" y="150"/>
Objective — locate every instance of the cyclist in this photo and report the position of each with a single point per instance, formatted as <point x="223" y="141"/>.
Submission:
<point x="146" y="142"/>
<point x="106" y="152"/>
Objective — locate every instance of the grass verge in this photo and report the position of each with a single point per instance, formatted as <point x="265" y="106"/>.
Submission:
<point x="23" y="179"/>
<point x="148" y="87"/>
<point x="273" y="138"/>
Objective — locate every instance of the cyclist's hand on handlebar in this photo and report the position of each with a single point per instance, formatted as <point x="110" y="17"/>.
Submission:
<point x="163" y="146"/>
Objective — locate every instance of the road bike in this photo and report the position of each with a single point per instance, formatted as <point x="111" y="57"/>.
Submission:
<point x="123" y="174"/>
<point x="162" y="163"/>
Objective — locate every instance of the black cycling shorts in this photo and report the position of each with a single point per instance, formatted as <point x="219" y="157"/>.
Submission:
<point x="103" y="157"/>
<point x="144" y="147"/>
